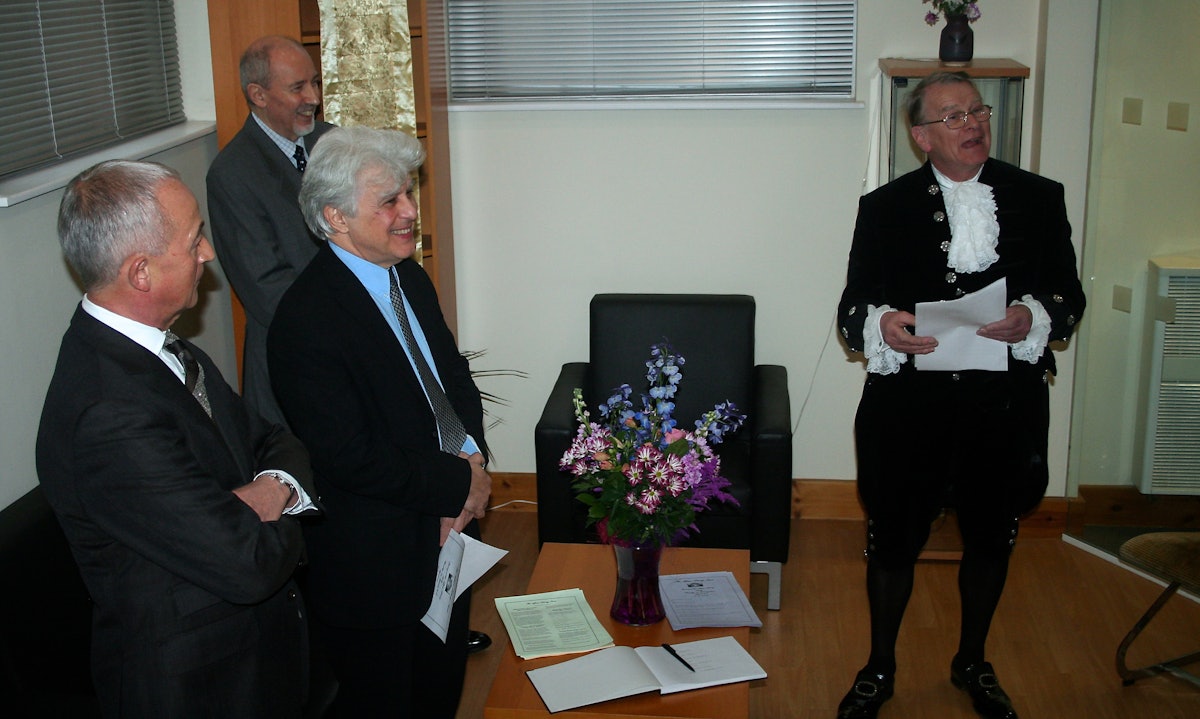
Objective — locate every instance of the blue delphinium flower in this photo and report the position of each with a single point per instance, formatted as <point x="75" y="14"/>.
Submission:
<point x="642" y="477"/>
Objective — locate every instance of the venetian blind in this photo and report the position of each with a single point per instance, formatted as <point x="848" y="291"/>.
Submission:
<point x="555" y="49"/>
<point x="77" y="75"/>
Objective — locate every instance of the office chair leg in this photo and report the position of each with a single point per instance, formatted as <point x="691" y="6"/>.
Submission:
<point x="1171" y="666"/>
<point x="774" y="572"/>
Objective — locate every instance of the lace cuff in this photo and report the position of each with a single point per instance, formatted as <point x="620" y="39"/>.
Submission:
<point x="881" y="359"/>
<point x="1031" y="348"/>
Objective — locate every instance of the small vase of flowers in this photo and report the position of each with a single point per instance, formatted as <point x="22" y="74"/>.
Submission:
<point x="644" y="479"/>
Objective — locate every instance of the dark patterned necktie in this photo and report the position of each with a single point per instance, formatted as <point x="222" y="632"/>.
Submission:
<point x="193" y="372"/>
<point x="450" y="427"/>
<point x="300" y="157"/>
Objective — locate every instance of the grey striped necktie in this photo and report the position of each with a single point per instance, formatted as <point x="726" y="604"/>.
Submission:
<point x="450" y="427"/>
<point x="193" y="372"/>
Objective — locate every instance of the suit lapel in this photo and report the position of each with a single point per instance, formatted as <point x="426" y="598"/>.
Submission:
<point x="150" y="372"/>
<point x="360" y="310"/>
<point x="282" y="171"/>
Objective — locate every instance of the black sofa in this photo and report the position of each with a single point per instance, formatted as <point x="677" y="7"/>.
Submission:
<point x="45" y="633"/>
<point x="46" y="630"/>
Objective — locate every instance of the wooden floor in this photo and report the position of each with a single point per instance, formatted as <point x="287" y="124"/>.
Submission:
<point x="1053" y="640"/>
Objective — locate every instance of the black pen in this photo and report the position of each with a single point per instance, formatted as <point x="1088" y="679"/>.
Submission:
<point x="671" y="650"/>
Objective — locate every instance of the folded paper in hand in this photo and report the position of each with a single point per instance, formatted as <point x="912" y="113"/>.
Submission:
<point x="462" y="560"/>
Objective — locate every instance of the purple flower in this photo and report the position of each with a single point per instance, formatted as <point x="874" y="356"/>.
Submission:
<point x="641" y="477"/>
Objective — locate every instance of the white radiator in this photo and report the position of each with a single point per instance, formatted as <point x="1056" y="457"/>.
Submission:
<point x="1168" y="445"/>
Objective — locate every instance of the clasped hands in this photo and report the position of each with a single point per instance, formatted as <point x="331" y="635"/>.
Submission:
<point x="477" y="498"/>
<point x="893" y="327"/>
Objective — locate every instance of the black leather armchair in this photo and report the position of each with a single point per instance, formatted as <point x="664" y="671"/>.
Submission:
<point x="715" y="335"/>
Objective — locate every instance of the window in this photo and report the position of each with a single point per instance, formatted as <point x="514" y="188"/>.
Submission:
<point x="76" y="75"/>
<point x="588" y="49"/>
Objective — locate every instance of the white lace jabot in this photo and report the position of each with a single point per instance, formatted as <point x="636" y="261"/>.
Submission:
<point x="973" y="228"/>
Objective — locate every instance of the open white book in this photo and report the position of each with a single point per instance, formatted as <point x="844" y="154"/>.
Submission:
<point x="624" y="671"/>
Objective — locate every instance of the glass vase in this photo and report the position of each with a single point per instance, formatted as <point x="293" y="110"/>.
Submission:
<point x="636" y="601"/>
<point x="957" y="43"/>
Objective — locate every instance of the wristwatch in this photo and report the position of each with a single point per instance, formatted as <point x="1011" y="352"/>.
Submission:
<point x="290" y="487"/>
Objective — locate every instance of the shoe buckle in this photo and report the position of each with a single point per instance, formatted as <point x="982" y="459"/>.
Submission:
<point x="987" y="681"/>
<point x="866" y="689"/>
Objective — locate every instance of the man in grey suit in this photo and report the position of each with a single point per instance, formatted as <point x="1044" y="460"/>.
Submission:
<point x="173" y="496"/>
<point x="257" y="228"/>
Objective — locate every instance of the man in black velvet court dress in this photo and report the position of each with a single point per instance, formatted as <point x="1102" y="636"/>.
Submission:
<point x="173" y="496"/>
<point x="971" y="440"/>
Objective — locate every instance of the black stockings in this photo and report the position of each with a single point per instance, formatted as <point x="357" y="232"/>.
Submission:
<point x="981" y="579"/>
<point x="888" y="591"/>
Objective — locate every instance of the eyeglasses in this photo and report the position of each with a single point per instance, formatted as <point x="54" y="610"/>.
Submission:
<point x="958" y="120"/>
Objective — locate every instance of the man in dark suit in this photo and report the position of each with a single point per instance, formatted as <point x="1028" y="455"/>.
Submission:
<point x="971" y="440"/>
<point x="253" y="184"/>
<point x="360" y="357"/>
<point x="170" y="492"/>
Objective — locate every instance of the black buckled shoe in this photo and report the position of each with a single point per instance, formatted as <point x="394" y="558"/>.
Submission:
<point x="980" y="682"/>
<point x="477" y="641"/>
<point x="869" y="692"/>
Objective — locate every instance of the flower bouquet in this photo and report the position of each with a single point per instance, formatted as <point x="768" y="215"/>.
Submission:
<point x="643" y="478"/>
<point x="949" y="8"/>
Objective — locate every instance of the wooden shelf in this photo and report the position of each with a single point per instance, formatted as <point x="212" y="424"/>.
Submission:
<point x="979" y="67"/>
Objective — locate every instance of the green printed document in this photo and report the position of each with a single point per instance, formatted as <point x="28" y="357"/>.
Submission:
<point x="624" y="671"/>
<point x="552" y="623"/>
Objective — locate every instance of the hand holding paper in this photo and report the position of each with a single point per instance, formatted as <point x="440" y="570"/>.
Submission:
<point x="955" y="324"/>
<point x="463" y="560"/>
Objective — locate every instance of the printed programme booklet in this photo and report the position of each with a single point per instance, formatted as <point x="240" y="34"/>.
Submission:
<point x="705" y="599"/>
<point x="551" y="623"/>
<point x="624" y="671"/>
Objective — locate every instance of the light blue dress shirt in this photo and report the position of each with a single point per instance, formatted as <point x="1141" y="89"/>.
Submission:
<point x="377" y="284"/>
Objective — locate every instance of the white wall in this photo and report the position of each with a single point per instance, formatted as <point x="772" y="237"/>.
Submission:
<point x="553" y="207"/>
<point x="38" y="294"/>
<point x="1145" y="182"/>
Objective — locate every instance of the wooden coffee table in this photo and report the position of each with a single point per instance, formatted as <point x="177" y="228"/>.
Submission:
<point x="593" y="568"/>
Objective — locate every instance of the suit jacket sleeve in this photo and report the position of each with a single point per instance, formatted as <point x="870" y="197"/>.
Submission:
<point x="865" y="285"/>
<point x="145" y="486"/>
<point x="1055" y="280"/>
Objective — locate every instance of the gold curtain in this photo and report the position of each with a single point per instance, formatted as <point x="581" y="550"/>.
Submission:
<point x="367" y="65"/>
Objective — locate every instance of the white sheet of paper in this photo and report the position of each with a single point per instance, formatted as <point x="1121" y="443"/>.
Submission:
<point x="477" y="560"/>
<point x="461" y="562"/>
<point x="953" y="323"/>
